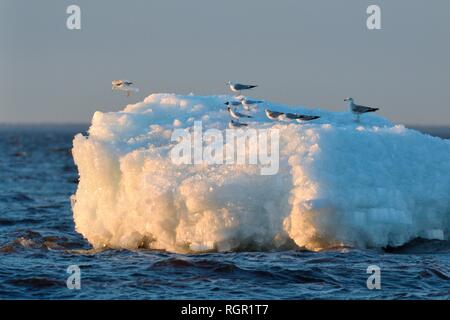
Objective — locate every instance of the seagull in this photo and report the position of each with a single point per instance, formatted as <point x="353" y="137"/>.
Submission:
<point x="307" y="118"/>
<point x="274" y="115"/>
<point x="238" y="87"/>
<point x="357" y="109"/>
<point x="124" y="85"/>
<point x="249" y="103"/>
<point x="237" y="124"/>
<point x="233" y="103"/>
<point x="300" y="117"/>
<point x="237" y="115"/>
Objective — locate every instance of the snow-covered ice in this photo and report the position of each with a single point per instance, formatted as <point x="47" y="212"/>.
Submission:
<point x="368" y="184"/>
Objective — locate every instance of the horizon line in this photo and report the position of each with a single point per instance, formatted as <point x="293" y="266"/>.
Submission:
<point x="80" y="123"/>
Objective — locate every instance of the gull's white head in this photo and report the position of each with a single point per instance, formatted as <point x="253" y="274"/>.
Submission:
<point x="116" y="84"/>
<point x="349" y="99"/>
<point x="229" y="83"/>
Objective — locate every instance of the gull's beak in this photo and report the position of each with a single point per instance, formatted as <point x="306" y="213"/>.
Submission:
<point x="346" y="99"/>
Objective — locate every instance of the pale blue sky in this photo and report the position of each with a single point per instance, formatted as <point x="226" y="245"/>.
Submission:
<point x="311" y="53"/>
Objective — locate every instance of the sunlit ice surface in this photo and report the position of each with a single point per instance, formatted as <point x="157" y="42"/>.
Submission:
<point x="367" y="184"/>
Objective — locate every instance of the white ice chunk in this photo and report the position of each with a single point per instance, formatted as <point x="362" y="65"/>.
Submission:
<point x="368" y="184"/>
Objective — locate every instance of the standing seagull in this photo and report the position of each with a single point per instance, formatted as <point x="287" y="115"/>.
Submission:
<point x="248" y="104"/>
<point x="237" y="115"/>
<point x="124" y="85"/>
<point x="357" y="109"/>
<point x="274" y="115"/>
<point x="238" y="87"/>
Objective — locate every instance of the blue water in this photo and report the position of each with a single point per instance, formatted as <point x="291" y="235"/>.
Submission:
<point x="38" y="242"/>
